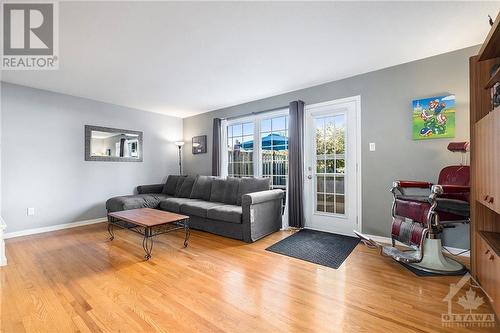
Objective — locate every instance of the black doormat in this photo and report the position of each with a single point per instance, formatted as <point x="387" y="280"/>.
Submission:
<point x="422" y="273"/>
<point x="318" y="247"/>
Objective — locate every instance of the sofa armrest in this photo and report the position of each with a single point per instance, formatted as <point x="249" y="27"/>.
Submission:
<point x="261" y="214"/>
<point x="262" y="196"/>
<point x="145" y="189"/>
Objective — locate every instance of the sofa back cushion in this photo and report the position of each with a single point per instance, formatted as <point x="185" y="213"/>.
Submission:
<point x="251" y="184"/>
<point x="225" y="190"/>
<point x="184" y="187"/>
<point x="231" y="190"/>
<point x="171" y="184"/>
<point x="217" y="190"/>
<point x="202" y="188"/>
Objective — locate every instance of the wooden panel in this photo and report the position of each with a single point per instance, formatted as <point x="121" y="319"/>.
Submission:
<point x="148" y="217"/>
<point x="492" y="239"/>
<point x="484" y="167"/>
<point x="495" y="155"/>
<point x="489" y="273"/>
<point x="491" y="46"/>
<point x="494" y="79"/>
<point x="482" y="218"/>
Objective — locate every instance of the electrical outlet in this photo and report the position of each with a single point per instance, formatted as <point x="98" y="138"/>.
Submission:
<point x="31" y="211"/>
<point x="372" y="146"/>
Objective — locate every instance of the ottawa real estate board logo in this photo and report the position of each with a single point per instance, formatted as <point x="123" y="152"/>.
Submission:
<point x="30" y="36"/>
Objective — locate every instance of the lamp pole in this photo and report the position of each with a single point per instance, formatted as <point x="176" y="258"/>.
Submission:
<point x="179" y="145"/>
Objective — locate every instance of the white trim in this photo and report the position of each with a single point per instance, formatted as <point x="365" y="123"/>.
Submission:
<point x="387" y="240"/>
<point x="52" y="228"/>
<point x="357" y="102"/>
<point x="3" y="258"/>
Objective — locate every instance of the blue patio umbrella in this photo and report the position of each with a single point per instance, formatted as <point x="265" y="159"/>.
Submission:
<point x="273" y="141"/>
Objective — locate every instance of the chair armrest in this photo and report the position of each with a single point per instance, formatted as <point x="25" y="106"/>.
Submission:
<point x="146" y="189"/>
<point x="262" y="196"/>
<point x="411" y="184"/>
<point x="457" y="192"/>
<point x="454" y="189"/>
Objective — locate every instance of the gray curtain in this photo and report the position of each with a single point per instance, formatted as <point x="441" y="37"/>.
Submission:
<point x="295" y="165"/>
<point x="216" y="137"/>
<point x="122" y="147"/>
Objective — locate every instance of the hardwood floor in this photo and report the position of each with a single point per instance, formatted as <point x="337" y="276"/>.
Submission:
<point x="76" y="280"/>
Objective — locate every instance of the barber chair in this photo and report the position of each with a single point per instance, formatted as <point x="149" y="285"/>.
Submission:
<point x="420" y="213"/>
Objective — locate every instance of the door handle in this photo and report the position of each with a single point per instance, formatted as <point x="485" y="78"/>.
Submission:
<point x="309" y="177"/>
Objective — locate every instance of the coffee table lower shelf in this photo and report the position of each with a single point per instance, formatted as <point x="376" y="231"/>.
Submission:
<point x="149" y="232"/>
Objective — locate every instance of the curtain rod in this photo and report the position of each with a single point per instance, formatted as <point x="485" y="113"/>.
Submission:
<point x="256" y="113"/>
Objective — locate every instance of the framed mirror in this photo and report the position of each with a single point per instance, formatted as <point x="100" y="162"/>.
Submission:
<point x="112" y="144"/>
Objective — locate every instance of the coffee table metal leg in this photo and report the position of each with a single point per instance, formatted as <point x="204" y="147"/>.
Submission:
<point x="186" y="230"/>
<point x="110" y="231"/>
<point x="147" y="243"/>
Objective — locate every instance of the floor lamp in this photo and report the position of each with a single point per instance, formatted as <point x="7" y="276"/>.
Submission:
<point x="179" y="145"/>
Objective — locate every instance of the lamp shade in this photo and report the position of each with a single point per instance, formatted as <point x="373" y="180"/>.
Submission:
<point x="179" y="143"/>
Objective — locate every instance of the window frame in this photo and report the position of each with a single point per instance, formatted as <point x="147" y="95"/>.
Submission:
<point x="257" y="144"/>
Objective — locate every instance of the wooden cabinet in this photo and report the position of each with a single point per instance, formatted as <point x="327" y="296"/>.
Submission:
<point x="486" y="144"/>
<point x="485" y="168"/>
<point x="489" y="269"/>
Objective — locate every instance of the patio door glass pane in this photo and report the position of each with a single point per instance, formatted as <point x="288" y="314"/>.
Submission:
<point x="330" y="164"/>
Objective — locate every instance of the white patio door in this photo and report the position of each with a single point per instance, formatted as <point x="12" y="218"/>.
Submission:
<point x="331" y="166"/>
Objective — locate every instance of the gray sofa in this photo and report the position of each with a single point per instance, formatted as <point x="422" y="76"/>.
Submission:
<point x="239" y="208"/>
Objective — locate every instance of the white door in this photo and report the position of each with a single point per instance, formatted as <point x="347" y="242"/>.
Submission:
<point x="332" y="166"/>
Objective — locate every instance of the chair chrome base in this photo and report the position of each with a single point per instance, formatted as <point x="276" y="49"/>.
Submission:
<point x="432" y="260"/>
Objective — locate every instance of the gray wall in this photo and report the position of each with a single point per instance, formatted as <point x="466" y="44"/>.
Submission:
<point x="386" y="97"/>
<point x="43" y="162"/>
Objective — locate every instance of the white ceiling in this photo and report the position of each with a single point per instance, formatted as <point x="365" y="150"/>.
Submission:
<point x="187" y="58"/>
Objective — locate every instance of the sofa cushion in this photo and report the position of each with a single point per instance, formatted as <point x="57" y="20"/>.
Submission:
<point x="202" y="188"/>
<point x="227" y="213"/>
<point x="198" y="207"/>
<point x="217" y="190"/>
<point x="127" y="202"/>
<point x="178" y="186"/>
<point x="186" y="187"/>
<point x="231" y="190"/>
<point x="174" y="204"/>
<point x="250" y="185"/>
<point x="171" y="185"/>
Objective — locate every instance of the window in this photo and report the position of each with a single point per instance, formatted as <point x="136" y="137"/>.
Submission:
<point x="258" y="146"/>
<point x="274" y="150"/>
<point x="240" y="149"/>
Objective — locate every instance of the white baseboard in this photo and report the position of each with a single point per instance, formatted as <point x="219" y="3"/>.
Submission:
<point x="52" y="228"/>
<point x="3" y="258"/>
<point x="453" y="250"/>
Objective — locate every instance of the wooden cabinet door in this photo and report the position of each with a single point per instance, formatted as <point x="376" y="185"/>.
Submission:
<point x="489" y="272"/>
<point x="485" y="156"/>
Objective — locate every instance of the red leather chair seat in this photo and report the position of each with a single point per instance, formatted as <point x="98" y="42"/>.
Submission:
<point x="417" y="211"/>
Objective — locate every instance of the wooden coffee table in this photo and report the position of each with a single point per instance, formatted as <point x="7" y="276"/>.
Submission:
<point x="149" y="223"/>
